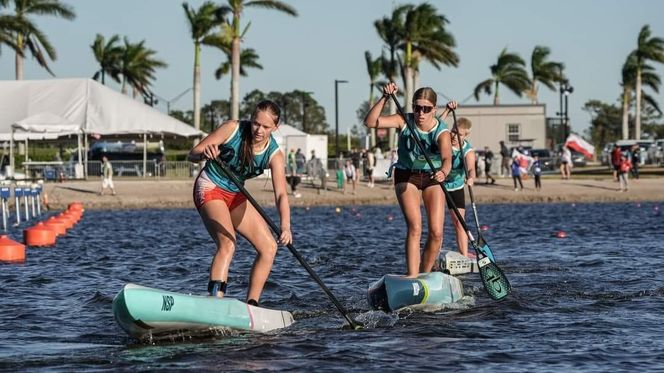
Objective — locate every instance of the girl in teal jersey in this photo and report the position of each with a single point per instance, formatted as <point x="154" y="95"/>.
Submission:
<point x="457" y="180"/>
<point x="413" y="178"/>
<point x="248" y="147"/>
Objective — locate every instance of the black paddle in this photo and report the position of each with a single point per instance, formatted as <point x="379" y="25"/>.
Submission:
<point x="481" y="241"/>
<point x="494" y="280"/>
<point x="231" y="175"/>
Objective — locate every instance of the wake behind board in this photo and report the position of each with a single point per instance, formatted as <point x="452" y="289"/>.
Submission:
<point x="393" y="292"/>
<point x="145" y="312"/>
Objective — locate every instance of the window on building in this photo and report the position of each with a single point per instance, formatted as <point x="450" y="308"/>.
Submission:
<point x="513" y="132"/>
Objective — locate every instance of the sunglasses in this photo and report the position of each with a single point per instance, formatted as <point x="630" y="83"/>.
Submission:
<point x="423" y="109"/>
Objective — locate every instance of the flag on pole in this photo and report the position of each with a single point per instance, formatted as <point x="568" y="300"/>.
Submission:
<point x="580" y="145"/>
<point x="524" y="160"/>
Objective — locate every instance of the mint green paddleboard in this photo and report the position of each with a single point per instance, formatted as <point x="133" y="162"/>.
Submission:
<point x="145" y="312"/>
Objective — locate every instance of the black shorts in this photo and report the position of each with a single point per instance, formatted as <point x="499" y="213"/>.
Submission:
<point x="421" y="180"/>
<point x="459" y="198"/>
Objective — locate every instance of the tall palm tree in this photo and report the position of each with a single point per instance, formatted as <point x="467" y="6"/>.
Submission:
<point x="248" y="58"/>
<point x="648" y="48"/>
<point x="235" y="7"/>
<point x="510" y="71"/>
<point x="203" y="24"/>
<point x="374" y="70"/>
<point x="31" y="37"/>
<point x="108" y="54"/>
<point x="9" y="25"/>
<point x="424" y="37"/>
<point x="649" y="78"/>
<point x="389" y="30"/>
<point x="137" y="67"/>
<point x="543" y="71"/>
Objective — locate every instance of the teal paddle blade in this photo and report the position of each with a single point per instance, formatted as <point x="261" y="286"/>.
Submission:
<point x="484" y="248"/>
<point x="494" y="280"/>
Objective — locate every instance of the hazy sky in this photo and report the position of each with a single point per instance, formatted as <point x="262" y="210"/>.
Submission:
<point x="328" y="40"/>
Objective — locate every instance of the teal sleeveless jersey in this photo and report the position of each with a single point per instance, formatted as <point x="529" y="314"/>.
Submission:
<point x="410" y="156"/>
<point x="230" y="152"/>
<point x="457" y="177"/>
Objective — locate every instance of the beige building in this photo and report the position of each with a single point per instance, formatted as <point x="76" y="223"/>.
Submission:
<point x="515" y="124"/>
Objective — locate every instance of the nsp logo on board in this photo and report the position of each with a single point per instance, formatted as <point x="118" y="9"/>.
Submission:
<point x="168" y="303"/>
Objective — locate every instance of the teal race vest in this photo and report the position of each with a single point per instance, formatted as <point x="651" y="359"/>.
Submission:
<point x="230" y="151"/>
<point x="457" y="177"/>
<point x="410" y="156"/>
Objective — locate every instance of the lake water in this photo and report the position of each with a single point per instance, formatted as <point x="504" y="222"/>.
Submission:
<point x="593" y="301"/>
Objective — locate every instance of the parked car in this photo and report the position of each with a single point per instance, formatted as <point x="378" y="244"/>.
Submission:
<point x="656" y="152"/>
<point x="644" y="145"/>
<point x="605" y="157"/>
<point x="547" y="157"/>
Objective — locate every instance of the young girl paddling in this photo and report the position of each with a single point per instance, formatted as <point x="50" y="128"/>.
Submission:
<point x="248" y="148"/>
<point x="413" y="179"/>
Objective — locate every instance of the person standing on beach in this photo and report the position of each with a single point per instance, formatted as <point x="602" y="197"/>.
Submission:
<point x="537" y="172"/>
<point x="636" y="159"/>
<point x="616" y="160"/>
<point x="516" y="173"/>
<point x="505" y="161"/>
<point x="488" y="161"/>
<point x="457" y="179"/>
<point x="566" y="163"/>
<point x="248" y="148"/>
<point x="351" y="174"/>
<point x="106" y="176"/>
<point x="623" y="171"/>
<point x="371" y="163"/>
<point x="414" y="180"/>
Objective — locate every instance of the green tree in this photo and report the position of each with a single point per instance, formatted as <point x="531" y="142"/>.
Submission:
<point x="28" y="36"/>
<point x="424" y="36"/>
<point x="108" y="56"/>
<point x="649" y="78"/>
<point x="605" y="122"/>
<point x="543" y="71"/>
<point x="248" y="58"/>
<point x="137" y="67"/>
<point x="234" y="31"/>
<point x="510" y="71"/>
<point x="649" y="48"/>
<point x="374" y="68"/>
<point x="9" y="25"/>
<point x="203" y="24"/>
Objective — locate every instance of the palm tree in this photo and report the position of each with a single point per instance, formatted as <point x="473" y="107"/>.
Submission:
<point x="424" y="37"/>
<point x="9" y="25"/>
<point x="108" y="55"/>
<point x="137" y="67"/>
<point x="30" y="37"/>
<point x="235" y="7"/>
<point x="203" y="24"/>
<point x="648" y="49"/>
<point x="543" y="71"/>
<point x="508" y="70"/>
<point x="248" y="58"/>
<point x="389" y="30"/>
<point x="649" y="78"/>
<point x="373" y="69"/>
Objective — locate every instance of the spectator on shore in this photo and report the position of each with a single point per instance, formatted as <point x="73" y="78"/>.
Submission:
<point x="505" y="161"/>
<point x="371" y="163"/>
<point x="537" y="172"/>
<point x="636" y="159"/>
<point x="300" y="161"/>
<point x="566" y="163"/>
<point x="107" y="176"/>
<point x="351" y="174"/>
<point x="516" y="173"/>
<point x="616" y="160"/>
<point x="488" y="161"/>
<point x="623" y="171"/>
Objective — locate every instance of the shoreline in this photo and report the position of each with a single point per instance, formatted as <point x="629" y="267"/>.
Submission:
<point x="177" y="193"/>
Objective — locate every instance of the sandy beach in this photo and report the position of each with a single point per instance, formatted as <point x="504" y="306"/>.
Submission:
<point x="177" y="193"/>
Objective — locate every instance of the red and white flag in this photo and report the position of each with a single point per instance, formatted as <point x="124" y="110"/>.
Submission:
<point x="525" y="161"/>
<point x="580" y="145"/>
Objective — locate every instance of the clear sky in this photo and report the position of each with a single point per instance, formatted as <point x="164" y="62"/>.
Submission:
<point x="328" y="40"/>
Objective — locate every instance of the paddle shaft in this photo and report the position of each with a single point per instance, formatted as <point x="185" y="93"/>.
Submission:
<point x="463" y="164"/>
<point x="450" y="202"/>
<point x="231" y="175"/>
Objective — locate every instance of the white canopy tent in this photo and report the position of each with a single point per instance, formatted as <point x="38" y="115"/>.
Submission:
<point x="290" y="137"/>
<point x="41" y="109"/>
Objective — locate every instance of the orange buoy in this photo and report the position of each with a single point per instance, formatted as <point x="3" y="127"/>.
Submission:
<point x="10" y="250"/>
<point x="68" y="220"/>
<point x="561" y="234"/>
<point x="75" y="213"/>
<point x="39" y="235"/>
<point x="72" y="215"/>
<point x="57" y="225"/>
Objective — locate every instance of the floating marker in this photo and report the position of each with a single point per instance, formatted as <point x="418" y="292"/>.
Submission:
<point x="11" y="251"/>
<point x="337" y="210"/>
<point x="390" y="217"/>
<point x="561" y="234"/>
<point x="484" y="228"/>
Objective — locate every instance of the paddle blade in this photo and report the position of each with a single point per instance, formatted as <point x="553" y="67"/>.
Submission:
<point x="484" y="248"/>
<point x="494" y="280"/>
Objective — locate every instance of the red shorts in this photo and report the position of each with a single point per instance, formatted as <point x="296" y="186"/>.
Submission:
<point x="205" y="190"/>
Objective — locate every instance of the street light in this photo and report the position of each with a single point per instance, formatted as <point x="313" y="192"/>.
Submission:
<point x="565" y="91"/>
<point x="173" y="100"/>
<point x="336" y="114"/>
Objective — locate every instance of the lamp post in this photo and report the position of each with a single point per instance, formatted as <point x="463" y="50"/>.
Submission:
<point x="336" y="114"/>
<point x="565" y="90"/>
<point x="173" y="100"/>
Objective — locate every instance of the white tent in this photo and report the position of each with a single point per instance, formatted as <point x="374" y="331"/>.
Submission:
<point x="290" y="137"/>
<point x="44" y="108"/>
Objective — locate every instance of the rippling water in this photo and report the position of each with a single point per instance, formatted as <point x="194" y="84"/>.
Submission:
<point x="591" y="301"/>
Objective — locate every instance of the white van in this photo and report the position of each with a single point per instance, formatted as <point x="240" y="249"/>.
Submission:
<point x="656" y="152"/>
